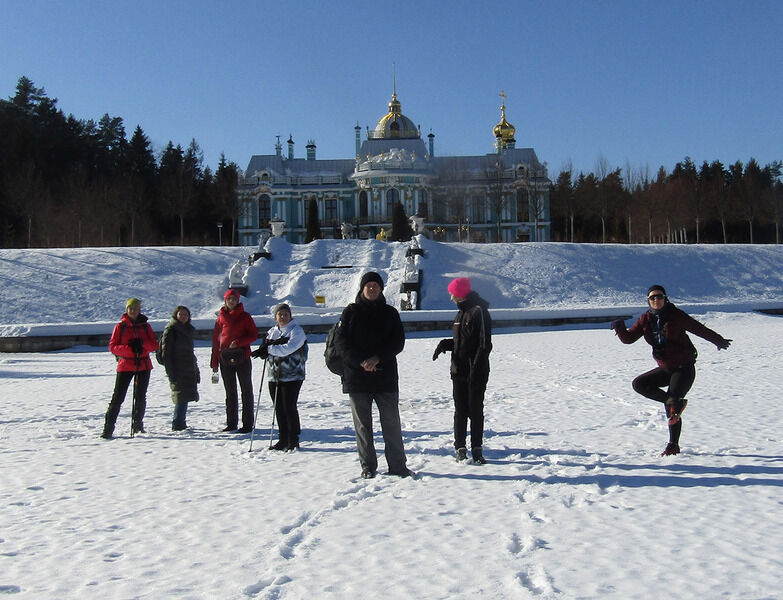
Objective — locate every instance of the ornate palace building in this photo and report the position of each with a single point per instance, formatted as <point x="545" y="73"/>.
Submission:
<point x="499" y="196"/>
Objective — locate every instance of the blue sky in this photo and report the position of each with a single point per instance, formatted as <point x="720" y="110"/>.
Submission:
<point x="638" y="83"/>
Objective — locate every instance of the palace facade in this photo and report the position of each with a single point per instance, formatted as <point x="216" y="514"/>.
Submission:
<point x="498" y="196"/>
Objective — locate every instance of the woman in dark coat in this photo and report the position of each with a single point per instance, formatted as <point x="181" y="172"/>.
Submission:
<point x="665" y="327"/>
<point x="179" y="358"/>
<point x="470" y="345"/>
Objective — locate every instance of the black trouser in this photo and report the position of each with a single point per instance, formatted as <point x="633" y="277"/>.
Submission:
<point x="286" y="410"/>
<point x="679" y="382"/>
<point x="244" y="373"/>
<point x="468" y="403"/>
<point x="121" y="384"/>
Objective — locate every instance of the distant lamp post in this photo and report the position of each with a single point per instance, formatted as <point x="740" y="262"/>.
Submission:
<point x="220" y="233"/>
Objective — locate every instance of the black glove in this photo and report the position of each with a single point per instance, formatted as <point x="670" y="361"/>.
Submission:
<point x="283" y="339"/>
<point x="136" y="345"/>
<point x="617" y="324"/>
<point x="724" y="344"/>
<point x="261" y="352"/>
<point x="442" y="347"/>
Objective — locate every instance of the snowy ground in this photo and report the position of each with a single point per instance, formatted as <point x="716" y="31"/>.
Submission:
<point x="574" y="502"/>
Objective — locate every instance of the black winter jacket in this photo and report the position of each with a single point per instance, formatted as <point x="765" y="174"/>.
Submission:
<point x="666" y="333"/>
<point x="472" y="336"/>
<point x="370" y="329"/>
<point x="179" y="359"/>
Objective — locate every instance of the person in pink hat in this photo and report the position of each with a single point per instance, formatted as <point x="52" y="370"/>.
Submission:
<point x="470" y="345"/>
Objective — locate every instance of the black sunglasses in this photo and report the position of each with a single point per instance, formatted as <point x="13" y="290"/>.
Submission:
<point x="656" y="297"/>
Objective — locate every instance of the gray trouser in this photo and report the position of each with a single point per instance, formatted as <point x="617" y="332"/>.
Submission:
<point x="389" y="411"/>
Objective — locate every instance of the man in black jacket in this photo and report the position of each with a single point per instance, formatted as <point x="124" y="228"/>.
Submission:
<point x="369" y="338"/>
<point x="470" y="348"/>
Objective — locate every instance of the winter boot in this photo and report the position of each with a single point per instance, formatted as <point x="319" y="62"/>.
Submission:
<point x="462" y="454"/>
<point x="671" y="449"/>
<point x="281" y="444"/>
<point x="109" y="421"/>
<point x="478" y="456"/>
<point x="293" y="442"/>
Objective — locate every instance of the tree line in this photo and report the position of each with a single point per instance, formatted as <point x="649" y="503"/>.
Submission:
<point x="67" y="182"/>
<point x="713" y="203"/>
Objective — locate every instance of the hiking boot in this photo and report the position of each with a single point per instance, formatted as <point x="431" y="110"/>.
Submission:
<point x="244" y="430"/>
<point x="403" y="473"/>
<point x="293" y="443"/>
<point x="368" y="474"/>
<point x="462" y="454"/>
<point x="478" y="456"/>
<point x="671" y="449"/>
<point x="229" y="428"/>
<point x="674" y="409"/>
<point x="279" y="445"/>
<point x="107" y="435"/>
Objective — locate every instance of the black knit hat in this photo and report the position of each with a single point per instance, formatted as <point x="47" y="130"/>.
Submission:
<point x="660" y="288"/>
<point x="371" y="276"/>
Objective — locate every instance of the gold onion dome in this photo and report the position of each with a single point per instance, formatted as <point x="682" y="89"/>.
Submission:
<point x="395" y="124"/>
<point x="504" y="129"/>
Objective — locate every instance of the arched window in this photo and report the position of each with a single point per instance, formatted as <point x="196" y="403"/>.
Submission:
<point x="363" y="209"/>
<point x="424" y="205"/>
<point x="392" y="197"/>
<point x="330" y="209"/>
<point x="523" y="205"/>
<point x="264" y="210"/>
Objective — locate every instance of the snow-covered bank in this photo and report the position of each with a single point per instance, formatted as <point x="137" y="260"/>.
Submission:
<point x="81" y="291"/>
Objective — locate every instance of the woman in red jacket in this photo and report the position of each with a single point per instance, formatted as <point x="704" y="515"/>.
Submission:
<point x="665" y="327"/>
<point x="234" y="331"/>
<point x="131" y="342"/>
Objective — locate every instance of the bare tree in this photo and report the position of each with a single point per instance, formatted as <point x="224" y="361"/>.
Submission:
<point x="497" y="195"/>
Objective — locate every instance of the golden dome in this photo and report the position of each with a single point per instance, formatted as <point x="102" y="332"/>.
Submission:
<point x="395" y="125"/>
<point x="504" y="129"/>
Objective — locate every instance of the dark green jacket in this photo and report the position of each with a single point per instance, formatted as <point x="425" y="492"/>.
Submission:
<point x="176" y="345"/>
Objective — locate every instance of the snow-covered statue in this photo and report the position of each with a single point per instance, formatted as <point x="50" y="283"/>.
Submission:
<point x="346" y="229"/>
<point x="263" y="237"/>
<point x="417" y="224"/>
<point x="278" y="227"/>
<point x="236" y="275"/>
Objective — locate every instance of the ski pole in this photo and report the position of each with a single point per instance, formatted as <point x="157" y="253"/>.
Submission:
<point x="258" y="402"/>
<point x="274" y="407"/>
<point x="133" y="403"/>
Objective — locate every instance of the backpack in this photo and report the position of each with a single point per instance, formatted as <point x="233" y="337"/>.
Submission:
<point x="159" y="355"/>
<point x="159" y="351"/>
<point x="334" y="362"/>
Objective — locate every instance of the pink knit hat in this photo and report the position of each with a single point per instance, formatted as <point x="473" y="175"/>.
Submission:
<point x="460" y="287"/>
<point x="231" y="292"/>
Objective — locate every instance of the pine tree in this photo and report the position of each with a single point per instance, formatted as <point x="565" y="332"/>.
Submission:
<point x="400" y="227"/>
<point x="313" y="226"/>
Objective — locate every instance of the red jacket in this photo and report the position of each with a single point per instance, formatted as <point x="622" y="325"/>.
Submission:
<point x="230" y="326"/>
<point x="677" y="349"/>
<point x="125" y="331"/>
